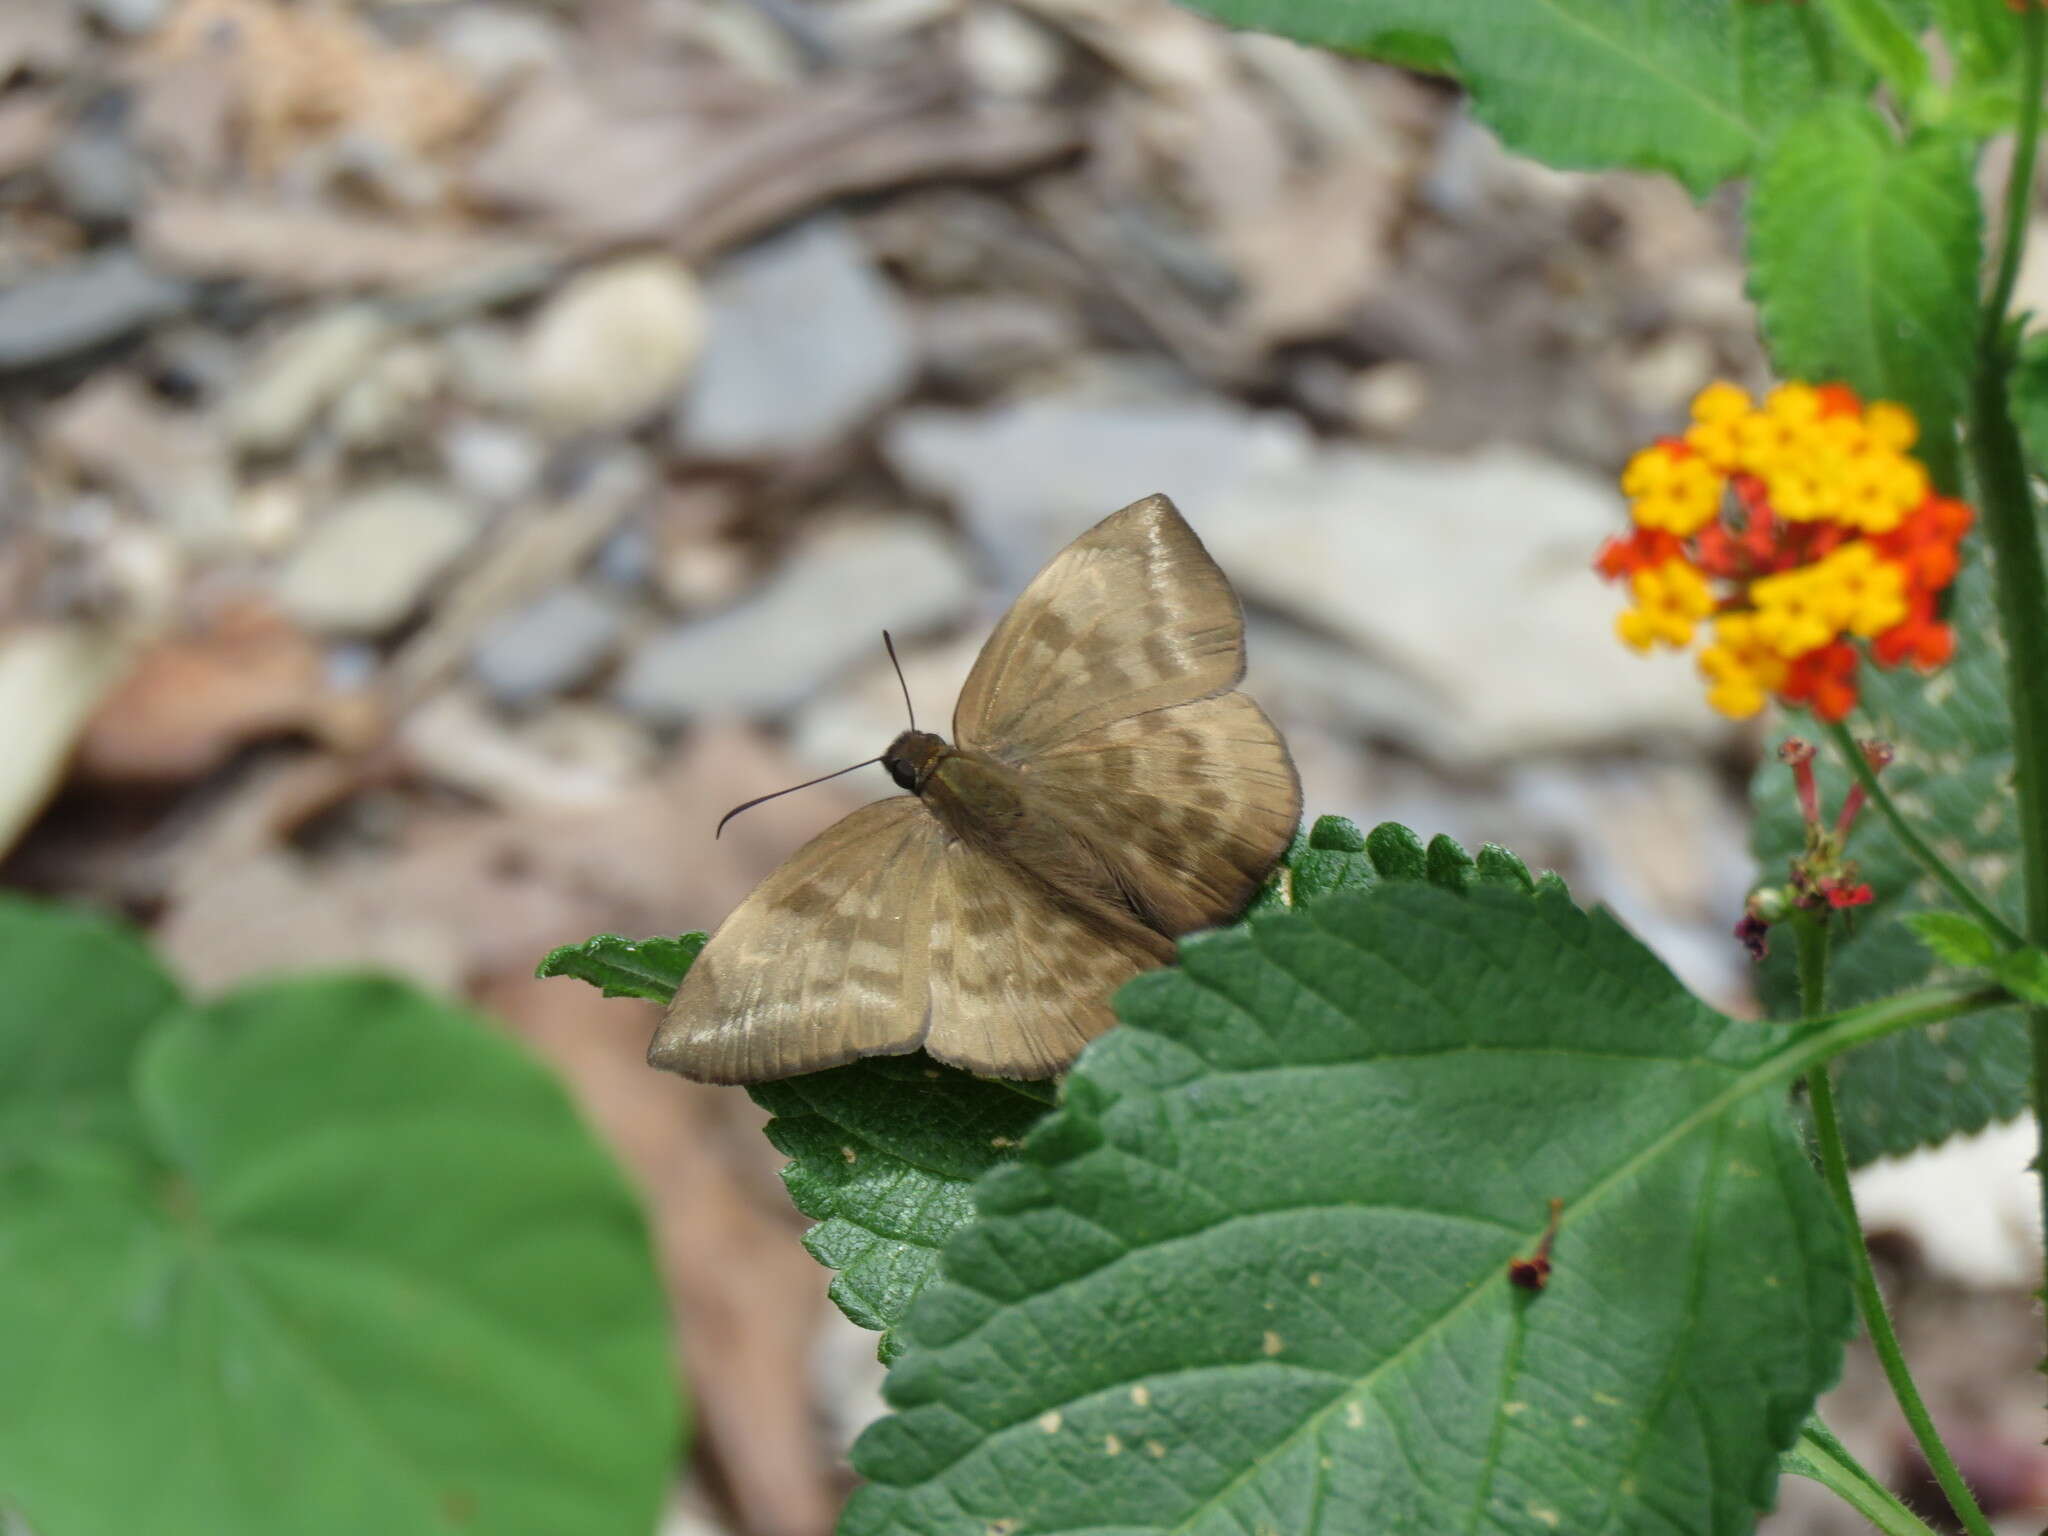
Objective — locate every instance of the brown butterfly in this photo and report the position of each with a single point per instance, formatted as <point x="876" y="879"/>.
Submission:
<point x="1106" y="791"/>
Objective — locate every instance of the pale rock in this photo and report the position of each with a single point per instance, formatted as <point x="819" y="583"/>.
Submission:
<point x="487" y="365"/>
<point x="389" y="403"/>
<point x="573" y="754"/>
<point x="1027" y="478"/>
<point x="491" y="462"/>
<point x="366" y="565"/>
<point x="614" y="345"/>
<point x="95" y="171"/>
<point x="1470" y="578"/>
<point x="1970" y="1205"/>
<point x="825" y="608"/>
<point x="301" y="374"/>
<point x="549" y="646"/>
<point x="1006" y="53"/>
<point x="807" y="341"/>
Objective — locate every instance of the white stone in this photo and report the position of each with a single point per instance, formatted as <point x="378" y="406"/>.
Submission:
<point x="552" y="644"/>
<point x="1970" y="1205"/>
<point x="1471" y="579"/>
<point x="301" y="374"/>
<point x="825" y="609"/>
<point x="365" y="566"/>
<point x="1027" y="478"/>
<point x="614" y="345"/>
<point x="807" y="342"/>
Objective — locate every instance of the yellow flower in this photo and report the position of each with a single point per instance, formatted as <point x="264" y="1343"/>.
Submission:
<point x="1794" y="404"/>
<point x="1720" y="401"/>
<point x="1670" y="600"/>
<point x="1892" y="426"/>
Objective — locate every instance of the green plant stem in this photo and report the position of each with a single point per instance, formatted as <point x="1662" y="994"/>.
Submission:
<point x="1820" y="1456"/>
<point x="2006" y="505"/>
<point x="1951" y="879"/>
<point x="2019" y="189"/>
<point x="1834" y="1162"/>
<point x="1827" y="1038"/>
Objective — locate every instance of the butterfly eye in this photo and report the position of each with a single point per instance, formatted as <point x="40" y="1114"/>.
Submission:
<point x="902" y="770"/>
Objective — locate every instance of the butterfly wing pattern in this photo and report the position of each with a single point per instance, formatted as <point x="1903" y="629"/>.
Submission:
<point x="1108" y="690"/>
<point x="827" y="960"/>
<point x="1108" y="684"/>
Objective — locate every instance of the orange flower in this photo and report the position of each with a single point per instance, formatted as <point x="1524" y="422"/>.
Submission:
<point x="1793" y="529"/>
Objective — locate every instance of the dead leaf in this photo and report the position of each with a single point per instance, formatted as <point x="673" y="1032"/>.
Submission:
<point x="314" y="250"/>
<point x="305" y="74"/>
<point x="192" y="700"/>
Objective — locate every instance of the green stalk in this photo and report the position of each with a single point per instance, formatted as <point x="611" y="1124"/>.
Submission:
<point x="1820" y="1456"/>
<point x="2015" y="540"/>
<point x="1951" y="879"/>
<point x="1834" y="1162"/>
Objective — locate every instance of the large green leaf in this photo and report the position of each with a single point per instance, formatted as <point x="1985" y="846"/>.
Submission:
<point x="1693" y="87"/>
<point x="1953" y="778"/>
<point x="1253" y="1274"/>
<point x="78" y="993"/>
<point x="376" y="1276"/>
<point x="1863" y="259"/>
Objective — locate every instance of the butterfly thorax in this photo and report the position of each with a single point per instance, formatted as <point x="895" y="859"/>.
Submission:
<point x="993" y="806"/>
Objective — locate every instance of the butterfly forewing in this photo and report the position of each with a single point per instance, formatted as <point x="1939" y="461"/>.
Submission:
<point x="1131" y="616"/>
<point x="1189" y="805"/>
<point x="827" y="960"/>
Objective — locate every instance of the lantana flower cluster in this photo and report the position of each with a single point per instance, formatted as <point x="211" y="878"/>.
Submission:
<point x="1788" y="531"/>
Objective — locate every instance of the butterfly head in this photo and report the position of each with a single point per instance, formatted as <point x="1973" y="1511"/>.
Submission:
<point x="912" y="757"/>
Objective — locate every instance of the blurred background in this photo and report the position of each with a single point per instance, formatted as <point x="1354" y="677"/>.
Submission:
<point x="452" y="451"/>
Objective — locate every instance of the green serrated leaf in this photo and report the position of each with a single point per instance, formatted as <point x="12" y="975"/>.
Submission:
<point x="645" y="968"/>
<point x="1953" y="776"/>
<point x="2023" y="973"/>
<point x="1693" y="87"/>
<point x="1863" y="261"/>
<point x="883" y="1153"/>
<point x="1396" y="852"/>
<point x="1502" y="867"/>
<point x="1253" y="1273"/>
<point x="81" y="995"/>
<point x="380" y="1278"/>
<point x="1953" y="938"/>
<point x="1449" y="865"/>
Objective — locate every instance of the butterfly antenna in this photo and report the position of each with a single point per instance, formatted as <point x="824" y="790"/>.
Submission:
<point x="909" y="707"/>
<point x="807" y="783"/>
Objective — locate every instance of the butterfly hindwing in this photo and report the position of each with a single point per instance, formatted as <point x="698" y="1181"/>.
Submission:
<point x="1020" y="978"/>
<point x="1132" y="616"/>
<point x="827" y="960"/>
<point x="1190" y="805"/>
